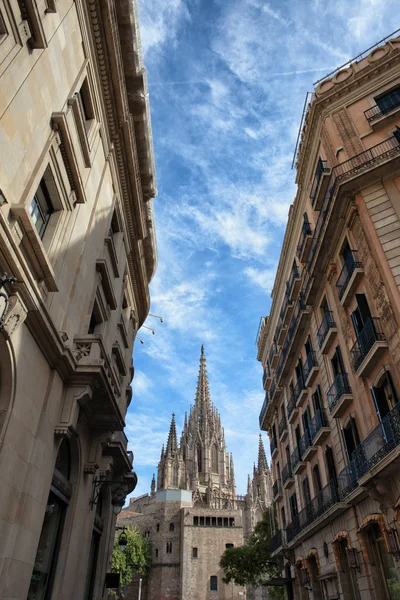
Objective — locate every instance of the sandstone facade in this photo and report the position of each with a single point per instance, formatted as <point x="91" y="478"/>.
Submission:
<point x="77" y="242"/>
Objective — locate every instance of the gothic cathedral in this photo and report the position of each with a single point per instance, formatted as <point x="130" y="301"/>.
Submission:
<point x="195" y="513"/>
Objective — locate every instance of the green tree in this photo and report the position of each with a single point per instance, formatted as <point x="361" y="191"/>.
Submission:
<point x="135" y="559"/>
<point x="251" y="564"/>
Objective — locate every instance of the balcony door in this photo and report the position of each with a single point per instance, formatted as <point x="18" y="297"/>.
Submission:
<point x="351" y="438"/>
<point x="347" y="255"/>
<point x="307" y="423"/>
<point x="384" y="396"/>
<point x="385" y="566"/>
<point x="337" y="363"/>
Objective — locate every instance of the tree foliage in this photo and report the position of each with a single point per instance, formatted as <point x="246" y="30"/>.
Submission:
<point x="251" y="564"/>
<point x="135" y="559"/>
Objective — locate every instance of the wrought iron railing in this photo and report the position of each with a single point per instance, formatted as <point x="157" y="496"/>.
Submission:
<point x="282" y="425"/>
<point x="347" y="480"/>
<point x="382" y="440"/>
<point x="384" y="106"/>
<point x="273" y="445"/>
<point x="349" y="168"/>
<point x="295" y="274"/>
<point x="285" y="305"/>
<point x="309" y="364"/>
<point x="291" y="405"/>
<point x="319" y="171"/>
<point x="304" y="443"/>
<point x="276" y="541"/>
<point x="273" y="388"/>
<point x="298" y="388"/>
<point x="287" y="473"/>
<point x="318" y="421"/>
<point x="350" y="265"/>
<point x="305" y="232"/>
<point x="295" y="457"/>
<point x="276" y="488"/>
<point x="266" y="373"/>
<point x="339" y="387"/>
<point x="272" y="351"/>
<point x="263" y="409"/>
<point x="327" y="323"/>
<point x="371" y="333"/>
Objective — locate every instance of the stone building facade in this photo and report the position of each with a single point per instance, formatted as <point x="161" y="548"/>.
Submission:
<point x="77" y="243"/>
<point x="195" y="514"/>
<point x="330" y="347"/>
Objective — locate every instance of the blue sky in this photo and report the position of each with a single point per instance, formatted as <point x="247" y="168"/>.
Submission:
<point x="227" y="81"/>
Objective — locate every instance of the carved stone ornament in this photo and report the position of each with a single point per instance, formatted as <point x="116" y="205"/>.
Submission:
<point x="15" y="315"/>
<point x="63" y="431"/>
<point x="382" y="492"/>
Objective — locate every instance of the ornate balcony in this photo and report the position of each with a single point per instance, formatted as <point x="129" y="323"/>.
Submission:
<point x="294" y="283"/>
<point x="117" y="448"/>
<point x="304" y="242"/>
<point x="276" y="541"/>
<point x="349" y="277"/>
<point x="384" y="108"/>
<point x="287" y="476"/>
<point x="373" y="452"/>
<point x="267" y="376"/>
<point x="263" y="411"/>
<point x="287" y="309"/>
<point x="296" y="328"/>
<point x="292" y="410"/>
<point x="273" y="355"/>
<point x="319" y="427"/>
<point x="283" y="429"/>
<point x="275" y="391"/>
<point x="368" y="349"/>
<point x="277" y="490"/>
<point x="320" y="184"/>
<point x="326" y="332"/>
<point x="296" y="459"/>
<point x="347" y="480"/>
<point x="310" y="369"/>
<point x="300" y="392"/>
<point x="274" y="448"/>
<point x="339" y="395"/>
<point x="306" y="447"/>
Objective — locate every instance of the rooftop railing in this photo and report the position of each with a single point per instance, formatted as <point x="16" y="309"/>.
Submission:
<point x="327" y="323"/>
<point x="339" y="387"/>
<point x="383" y="106"/>
<point x="371" y="333"/>
<point x="350" y="265"/>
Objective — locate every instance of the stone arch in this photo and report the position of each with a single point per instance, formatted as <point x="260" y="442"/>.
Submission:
<point x="362" y="533"/>
<point x="7" y="383"/>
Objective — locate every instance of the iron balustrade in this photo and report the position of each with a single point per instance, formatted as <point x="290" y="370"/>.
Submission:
<point x="383" y="106"/>
<point x="266" y="373"/>
<point x="285" y="305"/>
<point x="273" y="350"/>
<point x="276" y="541"/>
<point x="349" y="168"/>
<point x="287" y="473"/>
<point x="300" y="306"/>
<point x="280" y="364"/>
<point x="309" y="364"/>
<point x="305" y="231"/>
<point x="273" y="446"/>
<point x="339" y="387"/>
<point x="295" y="274"/>
<point x="295" y="457"/>
<point x="318" y="421"/>
<point x="273" y="388"/>
<point x="350" y="265"/>
<point x="371" y="333"/>
<point x="282" y="425"/>
<point x="263" y="409"/>
<point x="347" y="480"/>
<point x="379" y="443"/>
<point x="327" y="323"/>
<point x="276" y="488"/>
<point x="291" y="405"/>
<point x="319" y="171"/>
<point x="304" y="443"/>
<point x="298" y="388"/>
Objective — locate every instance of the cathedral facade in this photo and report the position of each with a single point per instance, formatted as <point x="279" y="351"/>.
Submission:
<point x="193" y="514"/>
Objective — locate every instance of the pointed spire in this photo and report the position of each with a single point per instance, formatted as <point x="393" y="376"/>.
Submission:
<point x="231" y="468"/>
<point x="162" y="452"/>
<point x="153" y="485"/>
<point x="172" y="443"/>
<point x="202" y="402"/>
<point x="262" y="460"/>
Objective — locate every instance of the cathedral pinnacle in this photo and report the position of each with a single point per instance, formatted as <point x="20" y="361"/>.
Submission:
<point x="262" y="460"/>
<point x="202" y="402"/>
<point x="172" y="444"/>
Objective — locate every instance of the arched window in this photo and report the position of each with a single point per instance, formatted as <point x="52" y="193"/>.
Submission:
<point x="214" y="583"/>
<point x="50" y="537"/>
<point x="171" y="527"/>
<point x="199" y="459"/>
<point x="175" y="473"/>
<point x="214" y="459"/>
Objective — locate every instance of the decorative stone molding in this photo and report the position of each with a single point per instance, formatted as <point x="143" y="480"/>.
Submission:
<point x="64" y="431"/>
<point x="60" y="125"/>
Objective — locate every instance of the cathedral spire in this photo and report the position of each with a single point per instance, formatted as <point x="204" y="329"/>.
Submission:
<point x="202" y="403"/>
<point x="262" y="464"/>
<point x="172" y="443"/>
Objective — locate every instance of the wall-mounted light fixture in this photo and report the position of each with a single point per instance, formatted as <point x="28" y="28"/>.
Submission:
<point x="119" y="491"/>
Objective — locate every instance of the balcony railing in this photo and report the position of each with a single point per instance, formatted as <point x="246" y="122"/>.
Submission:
<point x="304" y="443"/>
<point x="287" y="473"/>
<point x="310" y="363"/>
<point x="386" y="105"/>
<point x="339" y="387"/>
<point x="286" y="302"/>
<point x="273" y="350"/>
<point x="266" y="373"/>
<point x="349" y="168"/>
<point x="276" y="541"/>
<point x="291" y="406"/>
<point x="273" y="388"/>
<point x="318" y="421"/>
<point x="276" y="488"/>
<point x="347" y="480"/>
<point x="282" y="425"/>
<point x="273" y="446"/>
<point x="305" y="232"/>
<point x="350" y="265"/>
<point x="263" y="409"/>
<point x="295" y="457"/>
<point x="319" y="171"/>
<point x="327" y="323"/>
<point x="371" y="333"/>
<point x="379" y="443"/>
<point x="295" y="274"/>
<point x="298" y="388"/>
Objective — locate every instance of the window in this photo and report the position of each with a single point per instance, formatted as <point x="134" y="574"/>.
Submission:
<point x="202" y="521"/>
<point x="175" y="474"/>
<point x="214" y="583"/>
<point x="199" y="459"/>
<point x="214" y="521"/>
<point x="96" y="319"/>
<point x="41" y="208"/>
<point x="219" y="521"/>
<point x="384" y="396"/>
<point x="195" y="521"/>
<point x="350" y="437"/>
<point x="208" y="521"/>
<point x="389" y="100"/>
<point x="158" y="526"/>
<point x="293" y="505"/>
<point x="195" y="553"/>
<point x="3" y="29"/>
<point x="283" y="518"/>
<point x="231" y="522"/>
<point x="226" y="522"/>
<point x="169" y="547"/>
<point x="156" y="552"/>
<point x="227" y="546"/>
<point x="85" y="105"/>
<point x="171" y="527"/>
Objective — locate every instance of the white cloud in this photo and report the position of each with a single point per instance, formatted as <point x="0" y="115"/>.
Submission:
<point x="264" y="278"/>
<point x="160" y="21"/>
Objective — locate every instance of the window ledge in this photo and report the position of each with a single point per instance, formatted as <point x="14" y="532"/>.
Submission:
<point x="80" y="125"/>
<point x="34" y="247"/>
<point x="102" y="268"/>
<point x="60" y="124"/>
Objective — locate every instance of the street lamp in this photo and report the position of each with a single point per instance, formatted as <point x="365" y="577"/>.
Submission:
<point x="122" y="540"/>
